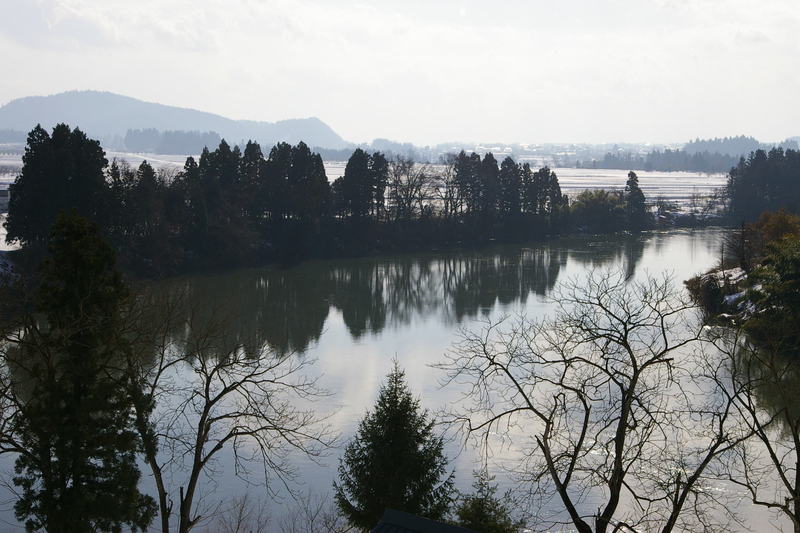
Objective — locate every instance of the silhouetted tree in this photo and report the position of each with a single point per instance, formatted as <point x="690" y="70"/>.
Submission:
<point x="765" y="182"/>
<point x="489" y="191"/>
<point x="357" y="186"/>
<point x="61" y="171"/>
<point x="484" y="511"/>
<point x="251" y="171"/>
<point x="599" y="210"/>
<point x="378" y="178"/>
<point x="530" y="191"/>
<point x="468" y="180"/>
<point x="77" y="449"/>
<point x="510" y="188"/>
<point x="395" y="461"/>
<point x="635" y="208"/>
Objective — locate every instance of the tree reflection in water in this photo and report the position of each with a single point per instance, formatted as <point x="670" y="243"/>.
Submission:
<point x="286" y="309"/>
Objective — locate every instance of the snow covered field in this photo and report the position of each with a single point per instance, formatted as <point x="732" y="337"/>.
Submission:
<point x="673" y="186"/>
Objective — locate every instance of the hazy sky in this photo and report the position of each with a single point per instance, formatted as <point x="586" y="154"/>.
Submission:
<point x="427" y="71"/>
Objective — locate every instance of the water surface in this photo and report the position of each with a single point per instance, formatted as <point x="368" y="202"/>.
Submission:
<point x="353" y="317"/>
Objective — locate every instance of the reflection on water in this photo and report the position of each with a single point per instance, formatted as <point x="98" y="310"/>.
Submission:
<point x="774" y="380"/>
<point x="286" y="309"/>
<point x="351" y="317"/>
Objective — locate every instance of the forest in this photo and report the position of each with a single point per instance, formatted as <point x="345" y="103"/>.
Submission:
<point x="666" y="161"/>
<point x="235" y="206"/>
<point x="699" y="155"/>
<point x="764" y="181"/>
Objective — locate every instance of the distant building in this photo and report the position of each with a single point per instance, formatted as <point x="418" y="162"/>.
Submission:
<point x="400" y="522"/>
<point x="5" y="194"/>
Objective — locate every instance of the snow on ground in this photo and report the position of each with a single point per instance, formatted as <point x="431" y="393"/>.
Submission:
<point x="676" y="187"/>
<point x="672" y="186"/>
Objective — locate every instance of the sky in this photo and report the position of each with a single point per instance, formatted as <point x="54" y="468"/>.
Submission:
<point x="427" y="71"/>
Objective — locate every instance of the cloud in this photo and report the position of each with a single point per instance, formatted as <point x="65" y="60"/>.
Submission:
<point x="748" y="37"/>
<point x="429" y="71"/>
<point x="49" y="24"/>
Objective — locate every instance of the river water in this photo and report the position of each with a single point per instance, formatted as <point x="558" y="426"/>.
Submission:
<point x="353" y="317"/>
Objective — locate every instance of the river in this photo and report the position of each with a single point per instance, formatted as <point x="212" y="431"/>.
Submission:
<point x="353" y="317"/>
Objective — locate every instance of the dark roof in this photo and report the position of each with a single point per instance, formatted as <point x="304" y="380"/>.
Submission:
<point x="400" y="522"/>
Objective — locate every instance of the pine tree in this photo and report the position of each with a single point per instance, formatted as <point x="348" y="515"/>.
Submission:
<point x="79" y="470"/>
<point x="483" y="511"/>
<point x="357" y="185"/>
<point x="635" y="207"/>
<point x="510" y="185"/>
<point x="378" y="178"/>
<point x="489" y="185"/>
<point x="61" y="171"/>
<point x="467" y="176"/>
<point x="530" y="192"/>
<point x="395" y="461"/>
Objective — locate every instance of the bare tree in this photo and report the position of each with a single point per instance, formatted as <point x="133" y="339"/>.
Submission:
<point x="206" y="393"/>
<point x="314" y="513"/>
<point x="605" y="395"/>
<point x="409" y="187"/>
<point x="243" y="515"/>
<point x="445" y="188"/>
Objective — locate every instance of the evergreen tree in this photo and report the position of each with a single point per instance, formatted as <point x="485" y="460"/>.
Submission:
<point x="530" y="193"/>
<point x="467" y="178"/>
<point x="765" y="181"/>
<point x="379" y="176"/>
<point x="555" y="199"/>
<point x="489" y="185"/>
<point x="276" y="181"/>
<point x="636" y="213"/>
<point x="599" y="210"/>
<point x="357" y="185"/>
<point x="308" y="185"/>
<point x="194" y="195"/>
<point x="510" y="185"/>
<point x="395" y="461"/>
<point x="250" y="174"/>
<point x="79" y="472"/>
<point x="483" y="511"/>
<point x="549" y="198"/>
<point x="146" y="205"/>
<point x="774" y="325"/>
<point x="61" y="171"/>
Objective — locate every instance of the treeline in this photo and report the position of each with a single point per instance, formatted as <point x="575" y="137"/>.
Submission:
<point x="153" y="141"/>
<point x="666" y="161"/>
<point x="233" y="207"/>
<point x="765" y="181"/>
<point x="734" y="146"/>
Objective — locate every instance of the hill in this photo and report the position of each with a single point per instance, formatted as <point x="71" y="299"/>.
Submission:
<point x="108" y="117"/>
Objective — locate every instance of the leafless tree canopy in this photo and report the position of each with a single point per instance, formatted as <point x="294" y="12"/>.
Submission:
<point x="606" y="403"/>
<point x="203" y="393"/>
<point x="314" y="513"/>
<point x="410" y="188"/>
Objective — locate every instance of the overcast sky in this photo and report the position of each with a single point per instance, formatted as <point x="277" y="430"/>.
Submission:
<point x="429" y="71"/>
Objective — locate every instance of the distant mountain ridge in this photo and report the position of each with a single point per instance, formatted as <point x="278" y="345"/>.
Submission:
<point x="108" y="116"/>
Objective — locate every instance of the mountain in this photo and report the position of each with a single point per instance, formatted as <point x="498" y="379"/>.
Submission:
<point x="108" y="117"/>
